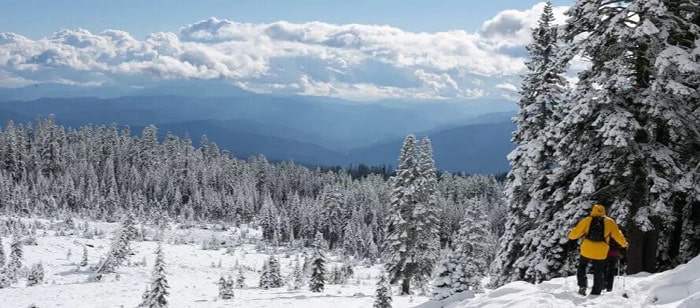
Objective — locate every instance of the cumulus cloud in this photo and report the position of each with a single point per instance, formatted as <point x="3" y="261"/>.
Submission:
<point x="352" y="61"/>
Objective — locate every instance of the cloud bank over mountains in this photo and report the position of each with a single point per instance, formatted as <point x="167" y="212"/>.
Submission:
<point x="351" y="61"/>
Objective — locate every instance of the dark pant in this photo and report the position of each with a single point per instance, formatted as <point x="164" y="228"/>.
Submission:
<point x="610" y="271"/>
<point x="598" y="272"/>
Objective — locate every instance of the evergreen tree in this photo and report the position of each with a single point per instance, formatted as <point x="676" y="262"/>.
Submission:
<point x="36" y="275"/>
<point x="225" y="288"/>
<point x="623" y="137"/>
<point x="158" y="291"/>
<point x="401" y="234"/>
<point x="442" y="285"/>
<point x="15" y="263"/>
<point x="240" y="279"/>
<point x="274" y="273"/>
<point x="382" y="298"/>
<point x="117" y="253"/>
<point x="298" y="275"/>
<point x="318" y="273"/>
<point x="265" y="280"/>
<point x="84" y="260"/>
<point x="543" y="90"/>
<point x="472" y="249"/>
<point x="425" y="214"/>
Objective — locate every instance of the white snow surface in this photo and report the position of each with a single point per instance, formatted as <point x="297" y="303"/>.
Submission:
<point x="192" y="279"/>
<point x="679" y="287"/>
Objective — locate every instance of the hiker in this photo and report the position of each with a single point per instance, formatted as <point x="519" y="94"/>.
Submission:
<point x="611" y="264"/>
<point x="597" y="229"/>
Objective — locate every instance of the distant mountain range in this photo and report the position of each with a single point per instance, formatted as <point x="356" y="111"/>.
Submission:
<point x="471" y="136"/>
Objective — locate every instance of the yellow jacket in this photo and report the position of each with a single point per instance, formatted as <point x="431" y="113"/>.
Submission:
<point x="597" y="250"/>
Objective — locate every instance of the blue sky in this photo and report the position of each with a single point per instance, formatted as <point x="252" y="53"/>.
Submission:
<point x="360" y="49"/>
<point x="35" y="19"/>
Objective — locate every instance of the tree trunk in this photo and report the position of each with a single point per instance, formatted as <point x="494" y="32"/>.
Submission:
<point x="642" y="251"/>
<point x="405" y="285"/>
<point x="634" y="251"/>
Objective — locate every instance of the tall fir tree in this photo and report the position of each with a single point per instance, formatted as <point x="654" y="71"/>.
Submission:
<point x="155" y="296"/>
<point x="425" y="214"/>
<point x="400" y="251"/>
<point x="543" y="90"/>
<point x="317" y="281"/>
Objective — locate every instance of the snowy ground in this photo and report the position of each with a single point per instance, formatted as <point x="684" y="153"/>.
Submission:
<point x="193" y="274"/>
<point x="679" y="287"/>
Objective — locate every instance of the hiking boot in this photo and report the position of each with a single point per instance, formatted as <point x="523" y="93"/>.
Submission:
<point x="595" y="292"/>
<point x="582" y="291"/>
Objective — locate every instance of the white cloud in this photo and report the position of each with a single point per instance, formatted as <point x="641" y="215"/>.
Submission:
<point x="314" y="58"/>
<point x="511" y="28"/>
<point x="507" y="86"/>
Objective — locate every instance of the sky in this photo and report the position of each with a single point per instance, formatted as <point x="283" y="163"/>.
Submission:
<point x="360" y="49"/>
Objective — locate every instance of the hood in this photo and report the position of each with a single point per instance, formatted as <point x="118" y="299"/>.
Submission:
<point x="598" y="210"/>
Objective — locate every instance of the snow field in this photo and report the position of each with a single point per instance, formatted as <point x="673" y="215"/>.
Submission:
<point x="193" y="274"/>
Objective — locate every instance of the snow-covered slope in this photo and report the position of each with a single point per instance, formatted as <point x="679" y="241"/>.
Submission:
<point x="679" y="287"/>
<point x="192" y="274"/>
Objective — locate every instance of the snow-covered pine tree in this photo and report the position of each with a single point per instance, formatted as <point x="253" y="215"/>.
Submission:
<point x="297" y="275"/>
<point x="36" y="275"/>
<point x="129" y="226"/>
<point x="318" y="273"/>
<point x="543" y="89"/>
<point x="15" y="262"/>
<point x="382" y="297"/>
<point x="618" y="144"/>
<point x="265" y="282"/>
<point x="240" y="279"/>
<point x="673" y="102"/>
<point x="442" y="284"/>
<point x="117" y="253"/>
<point x="331" y="217"/>
<point x="84" y="260"/>
<point x="225" y="288"/>
<point x="400" y="243"/>
<point x="274" y="273"/>
<point x="425" y="214"/>
<point x="268" y="218"/>
<point x="319" y="242"/>
<point x="472" y="249"/>
<point x="158" y="291"/>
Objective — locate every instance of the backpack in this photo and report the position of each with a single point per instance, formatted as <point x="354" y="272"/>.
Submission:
<point x="596" y="230"/>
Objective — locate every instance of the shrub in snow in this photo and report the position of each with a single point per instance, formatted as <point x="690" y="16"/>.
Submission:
<point x="36" y="275"/>
<point x="226" y="288"/>
<point x="84" y="260"/>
